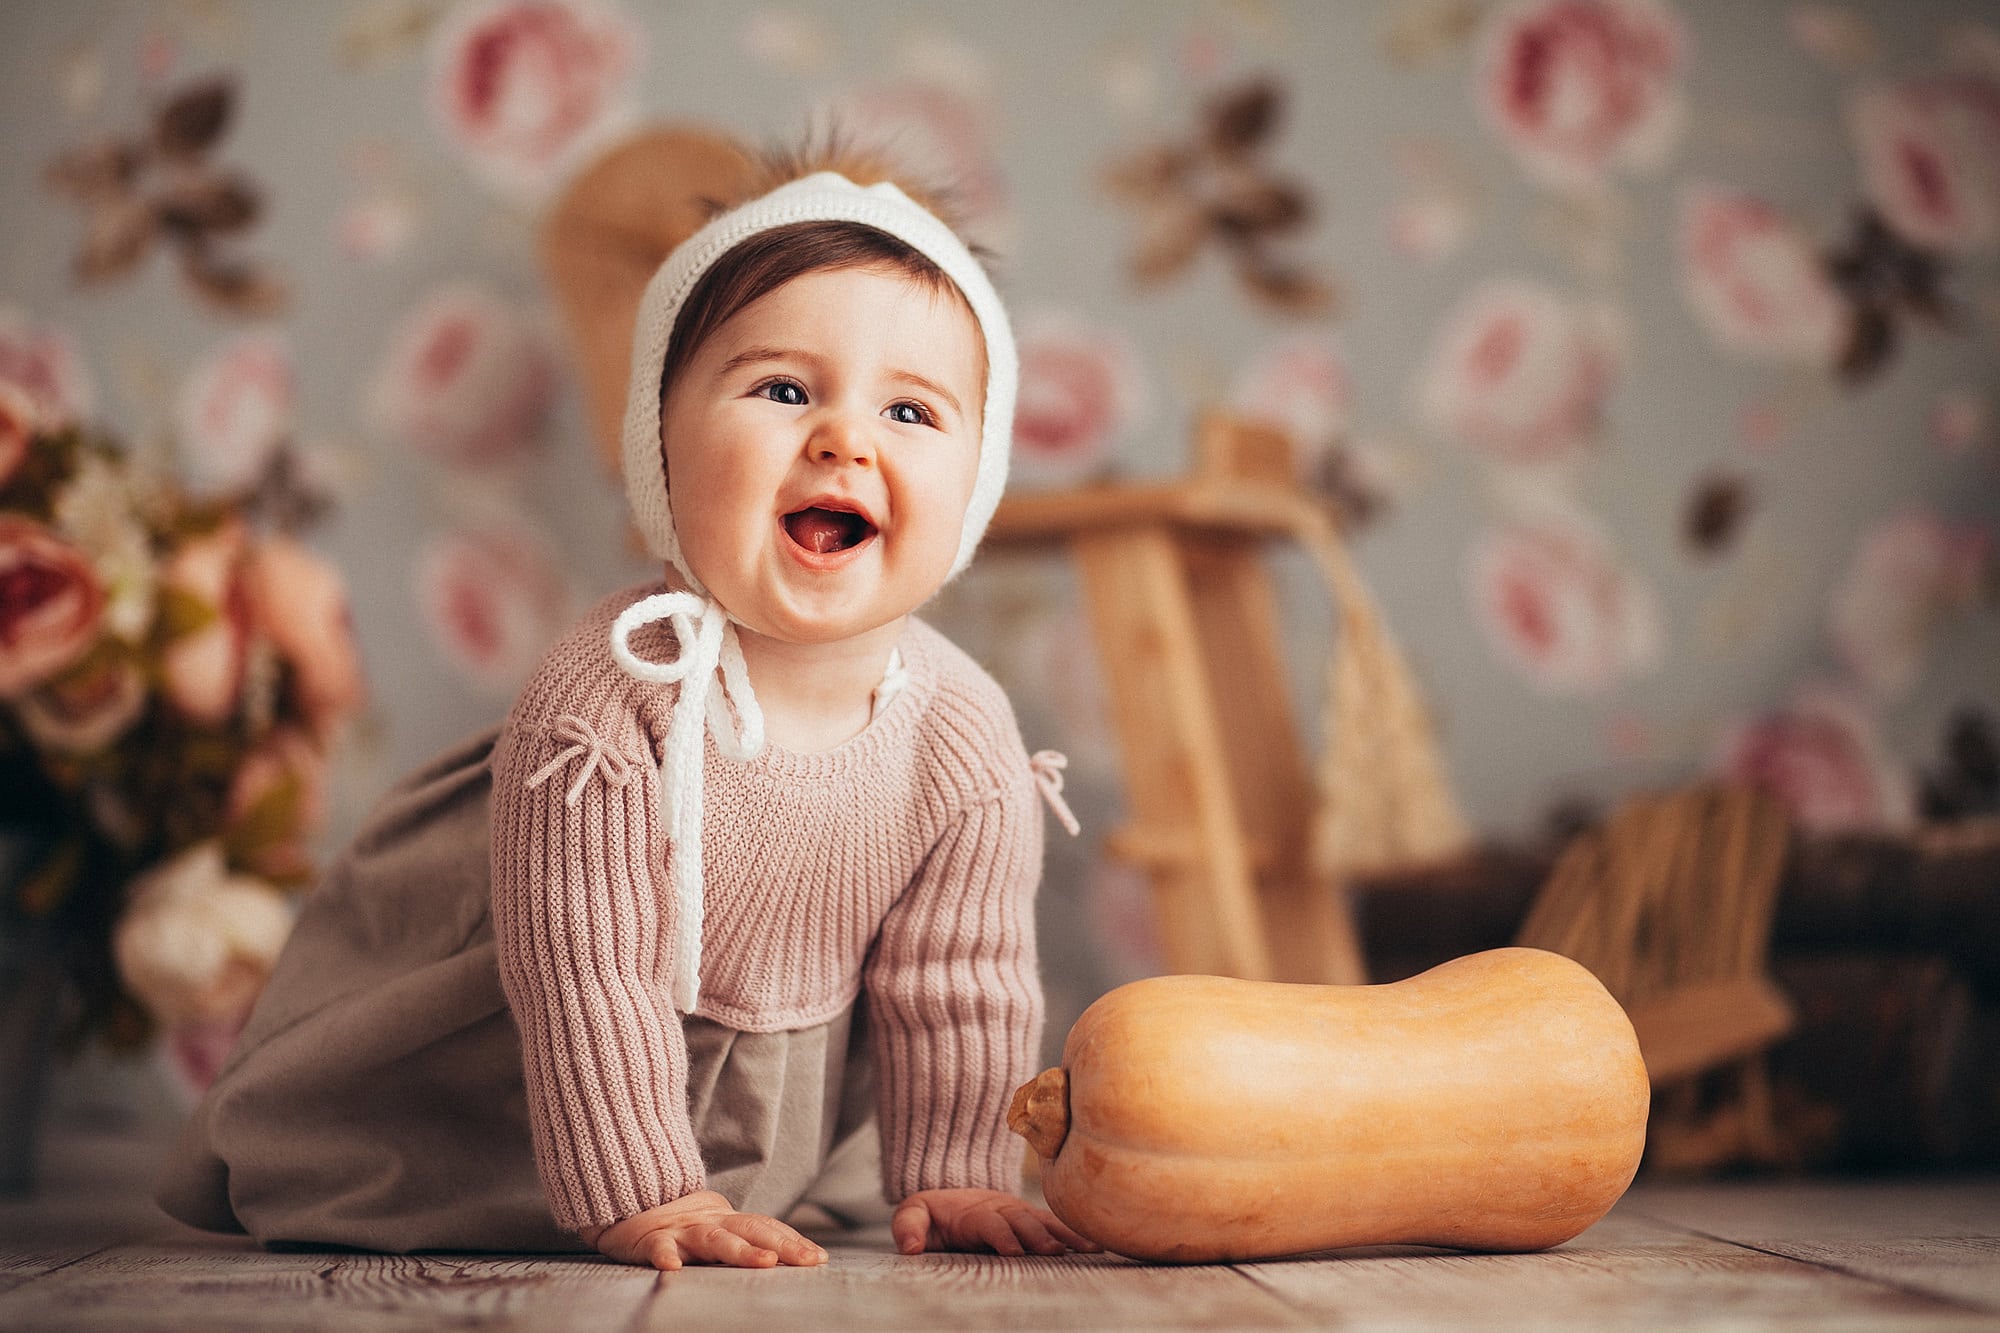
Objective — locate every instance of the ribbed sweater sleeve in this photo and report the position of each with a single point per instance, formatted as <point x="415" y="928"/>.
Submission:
<point x="955" y="995"/>
<point x="584" y="954"/>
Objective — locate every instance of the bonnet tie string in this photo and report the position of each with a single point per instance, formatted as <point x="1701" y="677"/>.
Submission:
<point x="1048" y="766"/>
<point x="708" y="656"/>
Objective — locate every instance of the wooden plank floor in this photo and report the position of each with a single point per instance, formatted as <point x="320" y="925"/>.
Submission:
<point x="89" y="1253"/>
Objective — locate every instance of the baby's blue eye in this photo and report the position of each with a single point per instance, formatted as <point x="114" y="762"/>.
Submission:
<point x="909" y="414"/>
<point x="786" y="392"/>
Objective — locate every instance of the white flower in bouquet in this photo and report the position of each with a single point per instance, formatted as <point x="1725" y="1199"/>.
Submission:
<point x="197" y="942"/>
<point x="98" y="511"/>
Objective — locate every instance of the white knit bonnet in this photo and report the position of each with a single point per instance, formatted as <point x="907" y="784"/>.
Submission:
<point x="708" y="655"/>
<point x="822" y="197"/>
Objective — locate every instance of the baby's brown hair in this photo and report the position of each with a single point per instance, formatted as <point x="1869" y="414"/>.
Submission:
<point x="773" y="258"/>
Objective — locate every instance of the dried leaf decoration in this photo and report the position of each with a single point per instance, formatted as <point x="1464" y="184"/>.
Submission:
<point x="157" y="188"/>
<point x="286" y="495"/>
<point x="1885" y="279"/>
<point x="193" y="119"/>
<point x="1715" y="513"/>
<point x="1214" y="190"/>
<point x="1353" y="498"/>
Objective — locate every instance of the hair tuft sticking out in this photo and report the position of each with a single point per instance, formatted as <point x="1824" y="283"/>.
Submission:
<point x="832" y="147"/>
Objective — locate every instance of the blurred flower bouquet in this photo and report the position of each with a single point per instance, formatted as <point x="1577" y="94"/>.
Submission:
<point x="174" y="670"/>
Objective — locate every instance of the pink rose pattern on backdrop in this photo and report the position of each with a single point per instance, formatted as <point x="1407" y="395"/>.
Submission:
<point x="45" y="364"/>
<point x="1929" y="156"/>
<point x="1520" y="374"/>
<point x="1080" y="392"/>
<point x="1301" y="385"/>
<point x="51" y="604"/>
<point x="1556" y="604"/>
<point x="1574" y="87"/>
<point x="494" y="600"/>
<point x="1756" y="281"/>
<point x="236" y="409"/>
<point x="467" y="379"/>
<point x="1821" y="756"/>
<point x="1910" y="573"/>
<point x="523" y="89"/>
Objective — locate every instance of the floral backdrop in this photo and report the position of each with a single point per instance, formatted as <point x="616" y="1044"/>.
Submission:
<point x="1649" y="350"/>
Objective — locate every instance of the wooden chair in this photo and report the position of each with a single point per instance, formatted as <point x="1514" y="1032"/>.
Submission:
<point x="1670" y="904"/>
<point x="1247" y="858"/>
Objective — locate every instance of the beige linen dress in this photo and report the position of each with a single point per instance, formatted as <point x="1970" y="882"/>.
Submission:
<point x="375" y="1099"/>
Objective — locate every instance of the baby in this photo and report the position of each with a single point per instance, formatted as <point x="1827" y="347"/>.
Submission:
<point x="758" y="922"/>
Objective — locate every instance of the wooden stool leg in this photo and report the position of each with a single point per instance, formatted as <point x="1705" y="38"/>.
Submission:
<point x="1186" y="827"/>
<point x="1307" y="925"/>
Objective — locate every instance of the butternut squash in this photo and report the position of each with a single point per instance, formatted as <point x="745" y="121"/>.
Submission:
<point x="1495" y="1102"/>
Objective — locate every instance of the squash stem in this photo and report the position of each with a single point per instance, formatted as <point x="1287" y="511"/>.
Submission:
<point x="1039" y="1112"/>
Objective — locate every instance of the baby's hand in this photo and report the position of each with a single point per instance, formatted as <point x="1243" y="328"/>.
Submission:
<point x="701" y="1228"/>
<point x="980" y="1220"/>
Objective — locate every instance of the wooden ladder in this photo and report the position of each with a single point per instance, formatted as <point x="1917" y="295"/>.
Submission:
<point x="1186" y="622"/>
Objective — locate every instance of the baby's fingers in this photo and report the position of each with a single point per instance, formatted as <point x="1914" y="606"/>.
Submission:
<point x="645" y="1247"/>
<point x="1031" y="1232"/>
<point x="995" y="1232"/>
<point x="717" y="1243"/>
<point x="655" y="1250"/>
<point x="911" y="1226"/>
<point x="770" y="1234"/>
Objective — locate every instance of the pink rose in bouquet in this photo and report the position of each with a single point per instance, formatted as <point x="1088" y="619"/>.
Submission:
<point x="277" y="805"/>
<point x="203" y="667"/>
<point x="50" y="604"/>
<point x="85" y="709"/>
<point x="299" y="602"/>
<point x="174" y="667"/>
<point x="18" y="419"/>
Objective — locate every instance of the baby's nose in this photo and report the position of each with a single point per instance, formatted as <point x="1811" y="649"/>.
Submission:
<point x="842" y="439"/>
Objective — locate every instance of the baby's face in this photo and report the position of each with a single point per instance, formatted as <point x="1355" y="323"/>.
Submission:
<point x="821" y="448"/>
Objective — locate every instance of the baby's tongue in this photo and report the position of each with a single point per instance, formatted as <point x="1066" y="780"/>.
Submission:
<point x="823" y="530"/>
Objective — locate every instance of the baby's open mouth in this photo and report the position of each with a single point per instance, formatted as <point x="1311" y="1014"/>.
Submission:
<point x="824" y="531"/>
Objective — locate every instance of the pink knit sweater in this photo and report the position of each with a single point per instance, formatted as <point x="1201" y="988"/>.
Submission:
<point x="903" y="862"/>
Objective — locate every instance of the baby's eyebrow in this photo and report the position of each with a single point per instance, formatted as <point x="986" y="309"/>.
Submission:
<point x="751" y="356"/>
<point x="929" y="385"/>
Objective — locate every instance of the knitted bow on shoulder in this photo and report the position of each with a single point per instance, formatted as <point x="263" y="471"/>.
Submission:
<point x="708" y="657"/>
